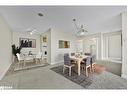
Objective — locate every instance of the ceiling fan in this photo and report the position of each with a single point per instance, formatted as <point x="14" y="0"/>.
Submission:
<point x="80" y="30"/>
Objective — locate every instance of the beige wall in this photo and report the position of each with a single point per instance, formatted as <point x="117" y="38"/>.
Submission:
<point x="18" y="35"/>
<point x="56" y="52"/>
<point x="5" y="47"/>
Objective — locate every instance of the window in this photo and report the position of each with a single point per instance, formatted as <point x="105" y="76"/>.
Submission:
<point x="112" y="46"/>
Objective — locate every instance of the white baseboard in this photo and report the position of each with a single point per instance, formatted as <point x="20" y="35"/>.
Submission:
<point x="4" y="72"/>
<point x="57" y="62"/>
<point x="124" y="76"/>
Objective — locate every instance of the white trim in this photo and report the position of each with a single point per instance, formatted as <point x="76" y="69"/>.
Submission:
<point x="124" y="76"/>
<point x="57" y="62"/>
<point x="116" y="61"/>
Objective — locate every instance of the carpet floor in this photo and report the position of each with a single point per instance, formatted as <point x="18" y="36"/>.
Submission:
<point x="105" y="80"/>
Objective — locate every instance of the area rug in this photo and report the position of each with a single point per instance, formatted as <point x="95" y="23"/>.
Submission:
<point x="81" y="80"/>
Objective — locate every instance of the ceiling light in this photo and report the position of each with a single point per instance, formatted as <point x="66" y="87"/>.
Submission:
<point x="40" y="14"/>
<point x="80" y="29"/>
<point x="31" y="33"/>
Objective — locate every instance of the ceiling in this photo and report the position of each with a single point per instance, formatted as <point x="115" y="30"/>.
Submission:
<point x="95" y="18"/>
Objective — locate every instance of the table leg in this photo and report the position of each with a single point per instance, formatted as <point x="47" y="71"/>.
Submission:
<point x="79" y="68"/>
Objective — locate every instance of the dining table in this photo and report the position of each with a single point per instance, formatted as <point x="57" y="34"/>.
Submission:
<point x="29" y="57"/>
<point x="78" y="60"/>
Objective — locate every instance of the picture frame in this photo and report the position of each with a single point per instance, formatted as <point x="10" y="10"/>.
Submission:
<point x="64" y="44"/>
<point x="27" y="43"/>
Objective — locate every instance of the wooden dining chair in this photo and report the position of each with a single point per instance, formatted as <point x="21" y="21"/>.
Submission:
<point x="38" y="57"/>
<point x="67" y="63"/>
<point x="20" y="59"/>
<point x="72" y="54"/>
<point x="86" y="64"/>
<point x="87" y="54"/>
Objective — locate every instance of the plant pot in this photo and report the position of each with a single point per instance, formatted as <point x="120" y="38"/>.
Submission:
<point x="15" y="60"/>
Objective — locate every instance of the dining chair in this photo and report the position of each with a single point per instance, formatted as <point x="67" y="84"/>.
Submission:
<point x="86" y="63"/>
<point x="72" y="54"/>
<point x="20" y="59"/>
<point x="93" y="62"/>
<point x="87" y="54"/>
<point x="68" y="63"/>
<point x="93" y="59"/>
<point x="28" y="58"/>
<point x="39" y="57"/>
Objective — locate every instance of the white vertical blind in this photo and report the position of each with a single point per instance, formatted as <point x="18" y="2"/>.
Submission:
<point x="114" y="47"/>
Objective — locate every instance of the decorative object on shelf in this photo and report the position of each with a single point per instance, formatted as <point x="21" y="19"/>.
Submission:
<point x="80" y="29"/>
<point x="27" y="43"/>
<point x="64" y="44"/>
<point x="45" y="39"/>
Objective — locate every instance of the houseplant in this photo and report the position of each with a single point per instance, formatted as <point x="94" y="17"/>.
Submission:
<point x="15" y="50"/>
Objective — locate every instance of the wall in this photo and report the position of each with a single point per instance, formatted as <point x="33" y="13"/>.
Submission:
<point x="48" y="43"/>
<point x="17" y="35"/>
<point x="87" y="42"/>
<point x="56" y="53"/>
<point x="124" y="45"/>
<point x="5" y="47"/>
<point x="112" y="43"/>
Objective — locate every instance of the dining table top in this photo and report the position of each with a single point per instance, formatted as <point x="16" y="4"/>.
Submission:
<point x="80" y="57"/>
<point x="78" y="60"/>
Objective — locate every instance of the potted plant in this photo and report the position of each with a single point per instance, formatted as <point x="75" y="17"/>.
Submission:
<point x="16" y="50"/>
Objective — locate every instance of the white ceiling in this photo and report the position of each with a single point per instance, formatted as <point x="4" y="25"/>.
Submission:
<point x="95" y="18"/>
